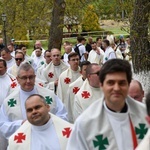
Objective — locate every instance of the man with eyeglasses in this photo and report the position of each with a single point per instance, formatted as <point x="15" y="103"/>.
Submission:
<point x="12" y="113"/>
<point x="53" y="70"/>
<point x="68" y="76"/>
<point x="89" y="92"/>
<point x="19" y="58"/>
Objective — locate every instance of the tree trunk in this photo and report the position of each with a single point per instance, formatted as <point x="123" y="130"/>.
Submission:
<point x="140" y="43"/>
<point x="57" y="21"/>
<point x="139" y="36"/>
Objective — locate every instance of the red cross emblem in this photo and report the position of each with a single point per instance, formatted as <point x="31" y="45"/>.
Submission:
<point x="67" y="80"/>
<point x="85" y="94"/>
<point x="75" y="90"/>
<point x="41" y="84"/>
<point x="19" y="138"/>
<point x="14" y="84"/>
<point x="51" y="75"/>
<point x="66" y="132"/>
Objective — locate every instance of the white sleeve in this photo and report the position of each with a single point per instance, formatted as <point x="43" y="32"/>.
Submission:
<point x="60" y="109"/>
<point x="76" y="140"/>
<point x="112" y="55"/>
<point x="7" y="127"/>
<point x="69" y="106"/>
<point x="77" y="110"/>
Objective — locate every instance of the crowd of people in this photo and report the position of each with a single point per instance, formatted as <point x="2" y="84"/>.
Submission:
<point x="85" y="99"/>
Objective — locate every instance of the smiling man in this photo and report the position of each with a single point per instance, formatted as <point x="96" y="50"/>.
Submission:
<point x="12" y="112"/>
<point x="42" y="131"/>
<point x="114" y="122"/>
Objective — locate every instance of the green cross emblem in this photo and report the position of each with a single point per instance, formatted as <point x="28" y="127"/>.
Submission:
<point x="142" y="130"/>
<point x="12" y="102"/>
<point x="48" y="99"/>
<point x="42" y="62"/>
<point x="100" y="142"/>
<point x="106" y="58"/>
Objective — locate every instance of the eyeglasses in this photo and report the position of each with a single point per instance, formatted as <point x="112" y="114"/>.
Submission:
<point x="97" y="73"/>
<point x="74" y="60"/>
<point x="25" y="77"/>
<point x="18" y="59"/>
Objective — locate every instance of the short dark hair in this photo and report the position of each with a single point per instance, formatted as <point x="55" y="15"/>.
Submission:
<point x="40" y="96"/>
<point x="93" y="42"/>
<point x="72" y="54"/>
<point x="98" y="38"/>
<point x="107" y="42"/>
<point x="4" y="62"/>
<point x="83" y="63"/>
<point x="67" y="42"/>
<point x="89" y="68"/>
<point x="80" y="38"/>
<point x="115" y="65"/>
<point x="47" y="51"/>
<point x="21" y="46"/>
<point x="6" y="50"/>
<point x="147" y="101"/>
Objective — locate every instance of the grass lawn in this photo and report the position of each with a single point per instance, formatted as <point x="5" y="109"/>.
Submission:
<point x="116" y="30"/>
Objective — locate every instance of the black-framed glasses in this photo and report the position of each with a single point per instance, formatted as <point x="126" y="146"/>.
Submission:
<point x="27" y="77"/>
<point x="18" y="59"/>
<point x="97" y="73"/>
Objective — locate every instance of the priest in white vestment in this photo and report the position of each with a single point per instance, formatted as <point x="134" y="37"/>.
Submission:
<point x="114" y="122"/>
<point x="53" y="70"/>
<point x="12" y="113"/>
<point x="42" y="131"/>
<point x="68" y="76"/>
<point x="5" y="54"/>
<point x="7" y="81"/>
<point x="145" y="144"/>
<point x="89" y="92"/>
<point x="19" y="58"/>
<point x="96" y="54"/>
<point x="109" y="51"/>
<point x="74" y="88"/>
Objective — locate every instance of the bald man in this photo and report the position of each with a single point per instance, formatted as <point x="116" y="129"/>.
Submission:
<point x="136" y="90"/>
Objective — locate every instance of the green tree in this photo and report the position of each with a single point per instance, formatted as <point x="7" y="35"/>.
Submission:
<point x="90" y="20"/>
<point x="23" y="16"/>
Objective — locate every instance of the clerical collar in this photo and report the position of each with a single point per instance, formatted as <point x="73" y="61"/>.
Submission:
<point x="43" y="127"/>
<point x="123" y="110"/>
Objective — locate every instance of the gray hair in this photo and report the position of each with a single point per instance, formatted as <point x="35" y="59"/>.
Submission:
<point x="24" y="66"/>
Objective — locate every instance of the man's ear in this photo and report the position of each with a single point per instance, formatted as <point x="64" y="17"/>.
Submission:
<point x="148" y="119"/>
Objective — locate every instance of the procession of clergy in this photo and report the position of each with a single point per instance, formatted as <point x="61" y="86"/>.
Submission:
<point x="81" y="101"/>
